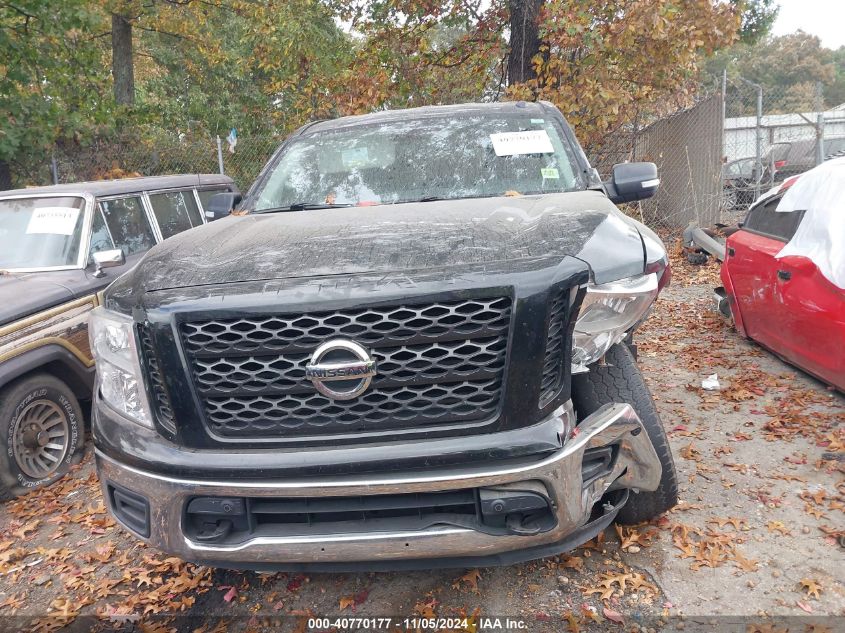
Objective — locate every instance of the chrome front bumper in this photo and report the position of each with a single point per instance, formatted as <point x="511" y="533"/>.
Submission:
<point x="636" y="467"/>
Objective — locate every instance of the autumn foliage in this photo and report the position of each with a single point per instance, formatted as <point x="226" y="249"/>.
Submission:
<point x="610" y="63"/>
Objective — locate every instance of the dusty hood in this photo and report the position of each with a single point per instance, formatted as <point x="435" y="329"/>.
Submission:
<point x="22" y="294"/>
<point x="386" y="238"/>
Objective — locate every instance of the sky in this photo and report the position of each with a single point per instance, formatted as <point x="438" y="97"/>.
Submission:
<point x="824" y="18"/>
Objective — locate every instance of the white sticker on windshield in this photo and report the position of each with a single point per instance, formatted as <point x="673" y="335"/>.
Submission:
<point x="527" y="142"/>
<point x="53" y="220"/>
<point x="355" y="157"/>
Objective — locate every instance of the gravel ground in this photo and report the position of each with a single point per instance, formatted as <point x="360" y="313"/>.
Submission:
<point x="756" y="544"/>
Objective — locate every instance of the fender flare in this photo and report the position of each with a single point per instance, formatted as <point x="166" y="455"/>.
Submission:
<point x="55" y="360"/>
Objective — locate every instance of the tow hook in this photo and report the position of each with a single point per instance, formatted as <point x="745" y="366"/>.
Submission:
<point x="523" y="525"/>
<point x="520" y="512"/>
<point x="213" y="531"/>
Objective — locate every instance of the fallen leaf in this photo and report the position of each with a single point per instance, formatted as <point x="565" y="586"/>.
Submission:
<point x="811" y="587"/>
<point x="746" y="564"/>
<point x="471" y="578"/>
<point x="778" y="526"/>
<point x="295" y="582"/>
<point x="21" y="532"/>
<point x="426" y="609"/>
<point x="354" y="600"/>
<point x="613" y="616"/>
<point x="572" y="623"/>
<point x="573" y="562"/>
<point x="231" y="594"/>
<point x="690" y="452"/>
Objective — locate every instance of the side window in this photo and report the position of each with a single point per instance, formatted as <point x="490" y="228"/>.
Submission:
<point x="128" y="224"/>
<point x="205" y="196"/>
<point x="765" y="219"/>
<point x="175" y="211"/>
<point x="100" y="237"/>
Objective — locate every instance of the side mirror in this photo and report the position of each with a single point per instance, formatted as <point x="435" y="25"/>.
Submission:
<point x="108" y="259"/>
<point x="632" y="181"/>
<point x="221" y="204"/>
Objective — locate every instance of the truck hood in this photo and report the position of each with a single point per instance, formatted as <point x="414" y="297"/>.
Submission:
<point x="386" y="238"/>
<point x="22" y="294"/>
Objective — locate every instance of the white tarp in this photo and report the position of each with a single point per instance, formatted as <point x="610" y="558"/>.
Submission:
<point x="820" y="237"/>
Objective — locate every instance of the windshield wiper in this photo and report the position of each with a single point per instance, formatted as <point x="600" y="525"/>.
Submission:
<point x="304" y="206"/>
<point x="439" y="198"/>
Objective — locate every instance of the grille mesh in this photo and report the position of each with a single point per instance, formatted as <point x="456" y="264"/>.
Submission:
<point x="552" y="379"/>
<point x="437" y="363"/>
<point x="161" y="401"/>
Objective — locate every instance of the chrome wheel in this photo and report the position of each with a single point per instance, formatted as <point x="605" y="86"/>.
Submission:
<point x="40" y="439"/>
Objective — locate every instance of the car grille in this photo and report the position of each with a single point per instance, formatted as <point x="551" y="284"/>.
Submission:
<point x="438" y="363"/>
<point x="160" y="400"/>
<point x="258" y="516"/>
<point x="553" y="370"/>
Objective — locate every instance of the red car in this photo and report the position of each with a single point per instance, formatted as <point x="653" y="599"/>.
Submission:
<point x="784" y="273"/>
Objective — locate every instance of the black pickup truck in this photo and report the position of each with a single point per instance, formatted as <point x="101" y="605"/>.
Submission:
<point x="410" y="346"/>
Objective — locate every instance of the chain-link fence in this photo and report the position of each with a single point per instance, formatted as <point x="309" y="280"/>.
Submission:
<point x="771" y="135"/>
<point x="717" y="148"/>
<point x="132" y="154"/>
<point x="733" y="143"/>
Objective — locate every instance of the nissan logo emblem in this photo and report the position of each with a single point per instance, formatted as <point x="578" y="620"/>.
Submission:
<point x="341" y="369"/>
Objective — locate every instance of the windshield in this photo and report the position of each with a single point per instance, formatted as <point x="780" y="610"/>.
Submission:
<point x="390" y="162"/>
<point x="40" y="232"/>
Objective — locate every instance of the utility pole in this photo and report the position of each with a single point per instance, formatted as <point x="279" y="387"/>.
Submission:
<point x="724" y="110"/>
<point x="819" y="124"/>
<point x="758" y="154"/>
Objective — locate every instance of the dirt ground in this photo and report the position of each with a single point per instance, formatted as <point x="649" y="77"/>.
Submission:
<point x="758" y="543"/>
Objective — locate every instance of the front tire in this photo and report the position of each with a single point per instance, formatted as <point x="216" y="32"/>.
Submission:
<point x="41" y="435"/>
<point x="620" y="380"/>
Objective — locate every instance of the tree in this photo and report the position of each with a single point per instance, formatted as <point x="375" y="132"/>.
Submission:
<point x="51" y="76"/>
<point x="122" y="65"/>
<point x="421" y="52"/>
<point x="758" y="17"/>
<point x="525" y="43"/>
<point x="835" y="91"/>
<point x="603" y="62"/>
<point x="789" y="85"/>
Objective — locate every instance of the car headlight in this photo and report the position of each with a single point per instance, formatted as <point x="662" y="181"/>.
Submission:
<point x="118" y="365"/>
<point x="607" y="313"/>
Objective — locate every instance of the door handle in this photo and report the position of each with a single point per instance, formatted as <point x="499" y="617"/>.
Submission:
<point x="785" y="275"/>
<point x="731" y="252"/>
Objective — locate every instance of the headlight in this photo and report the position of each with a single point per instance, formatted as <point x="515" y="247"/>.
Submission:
<point x="607" y="313"/>
<point x="118" y="365"/>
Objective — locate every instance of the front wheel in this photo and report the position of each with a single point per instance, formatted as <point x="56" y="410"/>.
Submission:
<point x="620" y="380"/>
<point x="41" y="434"/>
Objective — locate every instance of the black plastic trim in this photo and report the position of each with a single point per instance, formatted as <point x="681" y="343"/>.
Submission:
<point x="73" y="372"/>
<point x="120" y="498"/>
<point x="572" y="540"/>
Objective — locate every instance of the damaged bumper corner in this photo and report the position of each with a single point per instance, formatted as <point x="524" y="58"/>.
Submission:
<point x="572" y="492"/>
